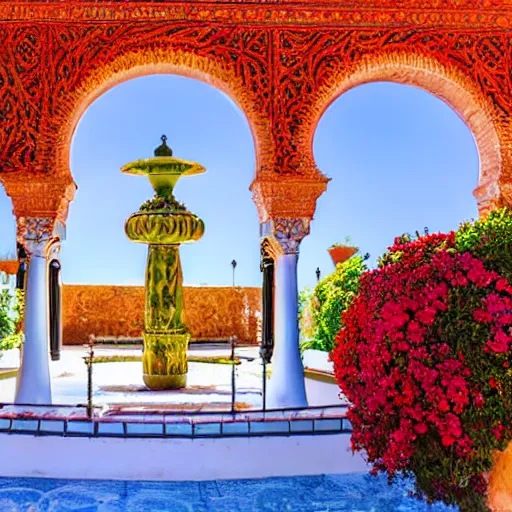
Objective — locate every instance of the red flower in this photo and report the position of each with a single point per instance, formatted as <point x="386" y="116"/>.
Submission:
<point x="421" y="428"/>
<point x="443" y="406"/>
<point x="482" y="316"/>
<point x="502" y="284"/>
<point x="415" y="332"/>
<point x="498" y="346"/>
<point x="447" y="440"/>
<point x="479" y="400"/>
<point x="402" y="346"/>
<point x="493" y="383"/>
<point x="426" y="316"/>
<point x="498" y="431"/>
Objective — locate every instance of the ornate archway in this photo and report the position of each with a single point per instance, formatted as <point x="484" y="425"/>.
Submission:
<point x="150" y="62"/>
<point x="282" y="61"/>
<point x="442" y="80"/>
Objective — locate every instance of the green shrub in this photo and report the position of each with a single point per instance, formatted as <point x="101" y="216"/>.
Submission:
<point x="306" y="322"/>
<point x="11" y="314"/>
<point x="330" y="299"/>
<point x="489" y="239"/>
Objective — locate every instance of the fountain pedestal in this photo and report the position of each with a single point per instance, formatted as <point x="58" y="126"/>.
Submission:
<point x="164" y="224"/>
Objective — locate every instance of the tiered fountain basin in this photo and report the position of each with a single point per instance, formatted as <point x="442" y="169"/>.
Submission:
<point x="164" y="228"/>
<point x="164" y="224"/>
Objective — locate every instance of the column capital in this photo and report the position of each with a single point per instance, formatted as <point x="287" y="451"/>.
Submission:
<point x="284" y="235"/>
<point x="287" y="197"/>
<point x="37" y="234"/>
<point x="35" y="196"/>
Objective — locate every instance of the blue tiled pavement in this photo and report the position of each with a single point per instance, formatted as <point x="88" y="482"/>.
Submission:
<point x="330" y="493"/>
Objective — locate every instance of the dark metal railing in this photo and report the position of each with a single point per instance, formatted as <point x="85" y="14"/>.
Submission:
<point x="89" y="406"/>
<point x="233" y="376"/>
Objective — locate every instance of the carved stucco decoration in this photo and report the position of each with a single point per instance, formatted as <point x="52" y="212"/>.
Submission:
<point x="354" y="13"/>
<point x="467" y="71"/>
<point x="282" y="61"/>
<point x="39" y="196"/>
<point x="287" y="197"/>
<point x="40" y="236"/>
<point x="35" y="234"/>
<point x="285" y="235"/>
<point x="72" y="64"/>
<point x="268" y="250"/>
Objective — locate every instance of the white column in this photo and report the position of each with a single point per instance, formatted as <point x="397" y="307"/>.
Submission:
<point x="286" y="387"/>
<point x="33" y="386"/>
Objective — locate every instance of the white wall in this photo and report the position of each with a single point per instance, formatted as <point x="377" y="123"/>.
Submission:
<point x="318" y="360"/>
<point x="322" y="393"/>
<point x="175" y="459"/>
<point x="319" y="392"/>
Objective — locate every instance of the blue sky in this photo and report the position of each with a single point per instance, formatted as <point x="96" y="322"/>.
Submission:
<point x="399" y="158"/>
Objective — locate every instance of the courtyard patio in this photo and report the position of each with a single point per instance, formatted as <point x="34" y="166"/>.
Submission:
<point x="118" y="387"/>
<point x="120" y="383"/>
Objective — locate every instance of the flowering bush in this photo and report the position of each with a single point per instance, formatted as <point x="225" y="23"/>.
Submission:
<point x="424" y="357"/>
<point x="489" y="239"/>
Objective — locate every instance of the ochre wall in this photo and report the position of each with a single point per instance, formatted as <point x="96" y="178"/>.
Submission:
<point x="211" y="313"/>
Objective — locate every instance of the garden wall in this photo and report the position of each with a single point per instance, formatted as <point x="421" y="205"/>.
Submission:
<point x="211" y="313"/>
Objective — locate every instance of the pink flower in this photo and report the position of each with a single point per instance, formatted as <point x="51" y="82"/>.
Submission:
<point x="502" y="285"/>
<point x="482" y="316"/>
<point x="426" y="316"/>
<point x="421" y="428"/>
<point x="443" y="405"/>
<point x="478" y="400"/>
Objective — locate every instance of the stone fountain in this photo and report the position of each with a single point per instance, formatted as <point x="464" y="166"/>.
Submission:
<point x="164" y="224"/>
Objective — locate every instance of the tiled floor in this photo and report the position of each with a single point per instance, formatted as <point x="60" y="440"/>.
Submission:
<point x="333" y="493"/>
<point x="121" y="383"/>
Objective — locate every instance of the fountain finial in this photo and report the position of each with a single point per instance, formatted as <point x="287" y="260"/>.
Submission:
<point x="163" y="149"/>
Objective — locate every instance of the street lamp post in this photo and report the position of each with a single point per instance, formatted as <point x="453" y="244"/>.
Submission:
<point x="233" y="264"/>
<point x="317" y="274"/>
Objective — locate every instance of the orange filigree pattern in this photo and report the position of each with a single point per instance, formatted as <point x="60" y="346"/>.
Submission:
<point x="282" y="61"/>
<point x="83" y="61"/>
<point x="210" y="313"/>
<point x="468" y="71"/>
